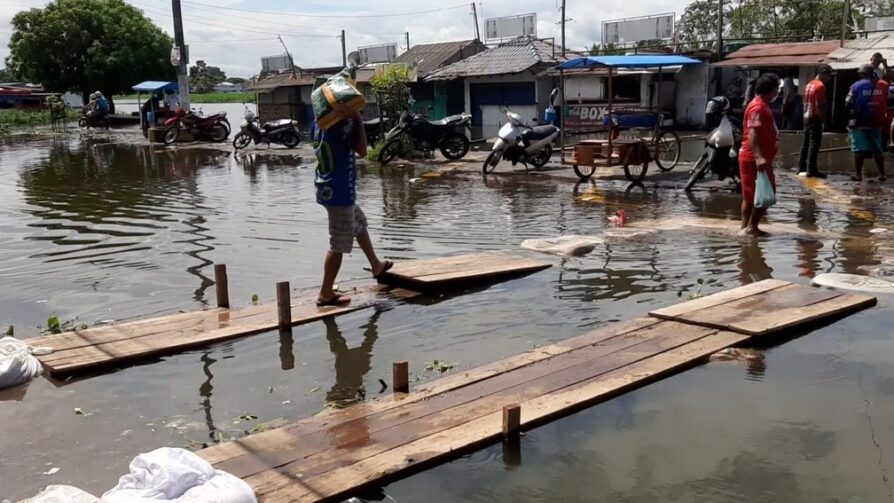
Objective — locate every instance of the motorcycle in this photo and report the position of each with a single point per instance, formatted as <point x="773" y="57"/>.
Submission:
<point x="520" y="143"/>
<point x="282" y="131"/>
<point x="721" y="155"/>
<point x="427" y="135"/>
<point x="373" y="130"/>
<point x="214" y="127"/>
<point x="101" y="121"/>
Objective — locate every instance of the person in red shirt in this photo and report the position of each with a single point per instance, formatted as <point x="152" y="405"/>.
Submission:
<point x="759" y="147"/>
<point x="867" y="102"/>
<point x="814" y="116"/>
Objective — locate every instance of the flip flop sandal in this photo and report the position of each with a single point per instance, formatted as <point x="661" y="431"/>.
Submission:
<point x="855" y="179"/>
<point x="386" y="266"/>
<point x="337" y="300"/>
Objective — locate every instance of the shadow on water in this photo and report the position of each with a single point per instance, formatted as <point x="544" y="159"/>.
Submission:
<point x="351" y="363"/>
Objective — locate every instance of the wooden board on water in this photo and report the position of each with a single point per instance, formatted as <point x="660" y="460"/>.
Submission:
<point x="331" y="456"/>
<point x="764" y="307"/>
<point x="101" y="346"/>
<point x="461" y="270"/>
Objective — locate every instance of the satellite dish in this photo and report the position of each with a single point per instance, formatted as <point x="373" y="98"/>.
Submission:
<point x="354" y="58"/>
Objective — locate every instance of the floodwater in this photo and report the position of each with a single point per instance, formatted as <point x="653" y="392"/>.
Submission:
<point x="94" y="230"/>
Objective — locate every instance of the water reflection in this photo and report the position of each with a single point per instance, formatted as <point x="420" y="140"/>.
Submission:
<point x="351" y="363"/>
<point x="752" y="263"/>
<point x="205" y="391"/>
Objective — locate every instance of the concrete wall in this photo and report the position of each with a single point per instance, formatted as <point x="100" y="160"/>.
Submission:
<point x="692" y="95"/>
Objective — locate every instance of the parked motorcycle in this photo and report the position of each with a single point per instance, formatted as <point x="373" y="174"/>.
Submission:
<point x="428" y="135"/>
<point x="518" y="142"/>
<point x="373" y="128"/>
<point x="721" y="155"/>
<point x="283" y="131"/>
<point x="214" y="127"/>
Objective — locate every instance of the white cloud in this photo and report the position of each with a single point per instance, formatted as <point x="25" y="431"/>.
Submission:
<point x="236" y="40"/>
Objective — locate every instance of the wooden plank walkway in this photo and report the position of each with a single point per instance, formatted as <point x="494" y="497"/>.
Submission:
<point x="335" y="454"/>
<point x="109" y="345"/>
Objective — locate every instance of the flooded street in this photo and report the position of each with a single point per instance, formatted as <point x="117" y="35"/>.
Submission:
<point x="99" y="229"/>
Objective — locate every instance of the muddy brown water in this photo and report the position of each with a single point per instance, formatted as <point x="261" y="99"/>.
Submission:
<point x="96" y="228"/>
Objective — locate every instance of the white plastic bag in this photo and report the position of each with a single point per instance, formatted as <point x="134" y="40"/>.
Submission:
<point x="764" y="196"/>
<point x="570" y="245"/>
<point x="17" y="365"/>
<point x="62" y="494"/>
<point x="722" y="136"/>
<point x="171" y="474"/>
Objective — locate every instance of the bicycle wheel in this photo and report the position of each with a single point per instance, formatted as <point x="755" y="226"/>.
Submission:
<point x="584" y="172"/>
<point x="667" y="150"/>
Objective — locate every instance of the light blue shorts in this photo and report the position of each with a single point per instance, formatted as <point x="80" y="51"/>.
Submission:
<point x="866" y="140"/>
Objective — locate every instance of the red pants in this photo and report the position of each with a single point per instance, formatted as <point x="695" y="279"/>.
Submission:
<point x="748" y="175"/>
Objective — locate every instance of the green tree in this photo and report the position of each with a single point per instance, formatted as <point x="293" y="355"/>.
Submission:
<point x="88" y="45"/>
<point x="7" y="75"/>
<point x="391" y="89"/>
<point x="202" y="78"/>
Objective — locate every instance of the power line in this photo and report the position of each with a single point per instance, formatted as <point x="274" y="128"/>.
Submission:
<point x="339" y="16"/>
<point x="231" y="28"/>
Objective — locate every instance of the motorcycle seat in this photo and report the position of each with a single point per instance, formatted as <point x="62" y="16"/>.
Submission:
<point x="539" y="132"/>
<point x="447" y="120"/>
<point x="372" y="122"/>
<point x="277" y="123"/>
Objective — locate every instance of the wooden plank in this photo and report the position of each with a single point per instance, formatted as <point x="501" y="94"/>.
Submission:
<point x="438" y="265"/>
<point x="451" y="442"/>
<point x="671" y="312"/>
<point x="764" y="306"/>
<point x="477" y="273"/>
<point x="328" y="418"/>
<point x="790" y="317"/>
<point x="460" y="268"/>
<point x="316" y="453"/>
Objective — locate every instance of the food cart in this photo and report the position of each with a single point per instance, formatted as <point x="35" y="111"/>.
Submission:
<point x="633" y="154"/>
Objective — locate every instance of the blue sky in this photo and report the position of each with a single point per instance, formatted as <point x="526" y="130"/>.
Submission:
<point x="223" y="35"/>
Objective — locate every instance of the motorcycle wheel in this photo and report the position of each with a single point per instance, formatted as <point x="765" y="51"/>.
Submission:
<point x="668" y="150"/>
<point x="454" y="146"/>
<point x="241" y="140"/>
<point x="540" y="159"/>
<point x="171" y="134"/>
<point x="491" y="162"/>
<point x="290" y="139"/>
<point x="584" y="172"/>
<point x="698" y="172"/>
<point x="389" y="151"/>
<point x="219" y="133"/>
<point x="82" y="122"/>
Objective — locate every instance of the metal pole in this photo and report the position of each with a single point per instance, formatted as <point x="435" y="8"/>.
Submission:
<point x="475" y="16"/>
<point x="562" y="117"/>
<point x="183" y="70"/>
<point x="718" y="73"/>
<point x="845" y="15"/>
<point x="408" y="40"/>
<point x="563" y="28"/>
<point x="344" y="54"/>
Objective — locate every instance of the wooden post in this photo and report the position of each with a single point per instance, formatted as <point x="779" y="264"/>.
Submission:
<point x="400" y="377"/>
<point x="284" y="304"/>
<point x="511" y="421"/>
<point x="223" y="288"/>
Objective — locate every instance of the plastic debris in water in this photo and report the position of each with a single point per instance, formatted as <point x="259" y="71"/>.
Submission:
<point x="619" y="218"/>
<point x="877" y="230"/>
<point x="740" y="354"/>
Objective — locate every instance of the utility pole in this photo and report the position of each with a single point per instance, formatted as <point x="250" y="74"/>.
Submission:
<point x="845" y="15"/>
<point x="344" y="55"/>
<point x="408" y="39"/>
<point x="183" y="68"/>
<point x="563" y="29"/>
<point x="475" y="16"/>
<point x="718" y="73"/>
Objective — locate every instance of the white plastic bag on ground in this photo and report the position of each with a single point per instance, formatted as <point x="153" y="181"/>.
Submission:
<point x="855" y="282"/>
<point x="171" y="474"/>
<point x="62" y="494"/>
<point x="17" y="365"/>
<point x="571" y="245"/>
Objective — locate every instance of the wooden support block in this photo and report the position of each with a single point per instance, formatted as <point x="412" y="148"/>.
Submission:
<point x="284" y="304"/>
<point x="511" y="421"/>
<point x="156" y="135"/>
<point x="220" y="282"/>
<point x="400" y="377"/>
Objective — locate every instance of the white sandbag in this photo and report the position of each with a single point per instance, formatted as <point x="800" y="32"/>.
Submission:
<point x="722" y="136"/>
<point x="571" y="245"/>
<point x="855" y="282"/>
<point x="171" y="474"/>
<point x="17" y="364"/>
<point x="62" y="494"/>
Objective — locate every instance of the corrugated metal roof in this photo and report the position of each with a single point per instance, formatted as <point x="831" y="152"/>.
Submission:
<point x="784" y="54"/>
<point x="511" y="57"/>
<point x="430" y="57"/>
<point x="857" y="52"/>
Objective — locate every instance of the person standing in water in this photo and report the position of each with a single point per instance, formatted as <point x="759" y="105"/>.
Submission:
<point x="867" y="102"/>
<point x="335" y="189"/>
<point x="759" y="147"/>
<point x="814" y="117"/>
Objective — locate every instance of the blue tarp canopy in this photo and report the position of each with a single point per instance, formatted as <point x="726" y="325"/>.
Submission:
<point x="155" y="86"/>
<point x="644" y="61"/>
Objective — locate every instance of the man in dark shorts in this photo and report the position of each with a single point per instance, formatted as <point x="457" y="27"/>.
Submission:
<point x="335" y="187"/>
<point x="867" y="102"/>
<point x="759" y="147"/>
<point x="814" y="117"/>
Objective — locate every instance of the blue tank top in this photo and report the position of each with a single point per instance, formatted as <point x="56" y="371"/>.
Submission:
<point x="336" y="166"/>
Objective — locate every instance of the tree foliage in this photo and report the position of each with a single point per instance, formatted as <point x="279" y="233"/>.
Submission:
<point x="392" y="89"/>
<point x="88" y="45"/>
<point x="202" y="78"/>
